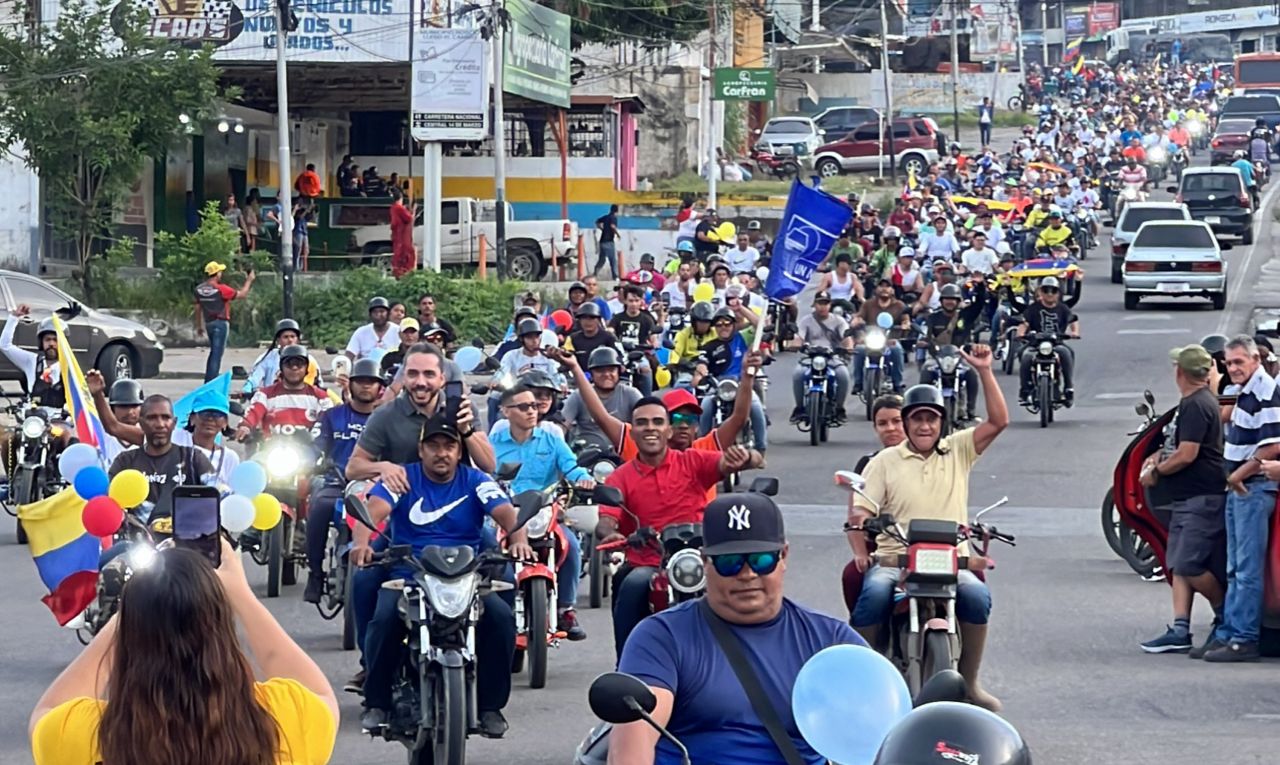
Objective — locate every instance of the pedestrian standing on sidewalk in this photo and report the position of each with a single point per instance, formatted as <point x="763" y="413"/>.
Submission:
<point x="213" y="312"/>
<point x="1190" y="480"/>
<point x="608" y="225"/>
<point x="1252" y="435"/>
<point x="986" y="115"/>
<point x="403" y="257"/>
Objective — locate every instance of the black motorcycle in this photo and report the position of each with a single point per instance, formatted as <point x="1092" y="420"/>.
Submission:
<point x="289" y="461"/>
<point x="337" y="568"/>
<point x="876" y="380"/>
<point x="1047" y="376"/>
<point x="951" y="382"/>
<point x="142" y="539"/>
<point x="33" y="474"/>
<point x="780" y="321"/>
<point x="821" y="410"/>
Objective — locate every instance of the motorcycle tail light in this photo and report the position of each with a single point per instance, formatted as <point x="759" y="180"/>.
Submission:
<point x="932" y="560"/>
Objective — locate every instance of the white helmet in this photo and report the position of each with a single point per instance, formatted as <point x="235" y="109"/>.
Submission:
<point x="891" y="231"/>
<point x="1239" y="154"/>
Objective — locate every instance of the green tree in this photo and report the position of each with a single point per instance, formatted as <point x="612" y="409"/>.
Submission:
<point x="90" y="103"/>
<point x="656" y="23"/>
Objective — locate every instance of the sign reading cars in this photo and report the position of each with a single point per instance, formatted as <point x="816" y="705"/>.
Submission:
<point x="736" y="84"/>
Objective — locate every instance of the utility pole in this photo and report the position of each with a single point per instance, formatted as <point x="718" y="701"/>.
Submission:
<point x="499" y="142"/>
<point x="1044" y="34"/>
<point x="283" y="129"/>
<point x="955" y="72"/>
<point x="713" y="166"/>
<point x="887" y="119"/>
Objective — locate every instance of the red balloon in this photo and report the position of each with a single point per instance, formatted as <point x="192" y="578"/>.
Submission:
<point x="562" y="319"/>
<point x="102" y="516"/>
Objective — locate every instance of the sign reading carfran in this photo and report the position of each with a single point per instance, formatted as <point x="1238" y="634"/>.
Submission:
<point x="744" y="84"/>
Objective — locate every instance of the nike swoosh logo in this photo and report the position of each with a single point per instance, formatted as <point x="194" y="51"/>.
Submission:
<point x="419" y="518"/>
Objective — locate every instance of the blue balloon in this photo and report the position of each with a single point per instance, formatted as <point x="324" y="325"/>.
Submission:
<point x="468" y="358"/>
<point x="884" y="320"/>
<point x="248" y="479"/>
<point x="91" y="482"/>
<point x="663" y="355"/>
<point x="845" y="700"/>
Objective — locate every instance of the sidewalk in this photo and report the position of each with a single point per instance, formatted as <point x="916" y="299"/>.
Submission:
<point x="188" y="363"/>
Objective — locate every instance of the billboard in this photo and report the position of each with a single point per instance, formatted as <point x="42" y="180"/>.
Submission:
<point x="329" y="31"/>
<point x="1103" y="17"/>
<point x="993" y="30"/>
<point x="449" y="95"/>
<point x="536" y="64"/>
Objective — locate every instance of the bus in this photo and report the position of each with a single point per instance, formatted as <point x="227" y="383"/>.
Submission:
<point x="1257" y="73"/>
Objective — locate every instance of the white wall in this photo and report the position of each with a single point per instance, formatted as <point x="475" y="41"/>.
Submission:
<point x="19" y="210"/>
<point x="911" y="92"/>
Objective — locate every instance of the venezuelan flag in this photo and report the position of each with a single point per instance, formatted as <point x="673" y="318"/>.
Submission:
<point x="66" y="555"/>
<point x="80" y="404"/>
<point x="1072" y="50"/>
<point x="1078" y="67"/>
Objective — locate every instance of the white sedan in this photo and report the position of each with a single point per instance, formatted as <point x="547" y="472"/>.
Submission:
<point x="1175" y="259"/>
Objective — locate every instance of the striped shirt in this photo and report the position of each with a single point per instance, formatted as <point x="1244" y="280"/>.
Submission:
<point x="1255" y="420"/>
<point x="278" y="410"/>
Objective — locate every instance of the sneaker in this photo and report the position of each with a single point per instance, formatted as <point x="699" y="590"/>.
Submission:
<point x="1234" y="652"/>
<point x="315" y="588"/>
<point x="355" y="684"/>
<point x="1068" y="397"/>
<point x="1171" y="641"/>
<point x="841" y="414"/>
<point x="493" y="724"/>
<point x="797" y="414"/>
<point x="373" y="719"/>
<point x="1208" y="645"/>
<point x="568" y="624"/>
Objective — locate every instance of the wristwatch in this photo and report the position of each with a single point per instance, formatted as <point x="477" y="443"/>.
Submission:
<point x="468" y="434"/>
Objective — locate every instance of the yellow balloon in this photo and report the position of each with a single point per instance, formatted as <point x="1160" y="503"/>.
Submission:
<point x="704" y="292"/>
<point x="130" y="488"/>
<point x="662" y="377"/>
<point x="267" y="512"/>
<point x="757" y="310"/>
<point x="726" y="231"/>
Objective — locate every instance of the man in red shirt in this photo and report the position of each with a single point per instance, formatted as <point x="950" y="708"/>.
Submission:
<point x="403" y="257"/>
<point x="288" y="406"/>
<point x="308" y="183"/>
<point x="213" y="313"/>
<point x="661" y="486"/>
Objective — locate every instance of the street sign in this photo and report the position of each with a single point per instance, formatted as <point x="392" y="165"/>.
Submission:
<point x="736" y="84"/>
<point x="449" y="98"/>
<point x="536" y="64"/>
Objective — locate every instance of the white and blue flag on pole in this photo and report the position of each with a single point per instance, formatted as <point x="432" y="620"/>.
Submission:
<point x="810" y="226"/>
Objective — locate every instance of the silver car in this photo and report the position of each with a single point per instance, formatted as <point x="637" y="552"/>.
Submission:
<point x="1175" y="259"/>
<point x="1130" y="220"/>
<point x="790" y="136"/>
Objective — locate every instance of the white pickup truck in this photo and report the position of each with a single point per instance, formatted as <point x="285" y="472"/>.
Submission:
<point x="530" y="244"/>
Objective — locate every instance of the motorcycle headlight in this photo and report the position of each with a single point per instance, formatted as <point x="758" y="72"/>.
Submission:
<point x="875" y="340"/>
<point x="141" y="556"/>
<point x="537" y="527"/>
<point x="819" y="363"/>
<point x="33" y="427"/>
<point x="1046" y="348"/>
<point x="283" y="461"/>
<point x="1130" y="193"/>
<point x="451" y="598"/>
<point x="935" y="561"/>
<point x="1194" y="127"/>
<point x="686" y="572"/>
<point x="948" y="364"/>
<point x="1157" y="155"/>
<point x="727" y="390"/>
<point x="602" y="470"/>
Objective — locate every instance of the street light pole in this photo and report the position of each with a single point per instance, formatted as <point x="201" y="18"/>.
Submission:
<point x="285" y="172"/>
<point x="499" y="146"/>
<point x="955" y="73"/>
<point x="713" y="140"/>
<point x="887" y="120"/>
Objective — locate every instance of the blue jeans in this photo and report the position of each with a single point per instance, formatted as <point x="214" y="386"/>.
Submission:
<point x="759" y="425"/>
<point x="608" y="253"/>
<point x="893" y="353"/>
<point x="570" y="572"/>
<point x="630" y="603"/>
<point x="218" y="330"/>
<point x="875" y="603"/>
<point x="1248" y="522"/>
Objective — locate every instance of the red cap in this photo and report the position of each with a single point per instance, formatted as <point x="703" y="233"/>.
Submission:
<point x="679" y="398"/>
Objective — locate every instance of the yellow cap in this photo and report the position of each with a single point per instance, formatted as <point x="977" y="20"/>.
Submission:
<point x="409" y="322"/>
<point x="213" y="267"/>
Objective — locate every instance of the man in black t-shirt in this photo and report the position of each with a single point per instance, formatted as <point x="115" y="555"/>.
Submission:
<point x="590" y="335"/>
<point x="704" y="243"/>
<point x="1048" y="316"/>
<point x="165" y="464"/>
<point x="636" y="330"/>
<point x="608" y="226"/>
<point x="1192" y="480"/>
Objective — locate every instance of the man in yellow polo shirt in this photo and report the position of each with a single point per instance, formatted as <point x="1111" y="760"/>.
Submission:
<point x="927" y="477"/>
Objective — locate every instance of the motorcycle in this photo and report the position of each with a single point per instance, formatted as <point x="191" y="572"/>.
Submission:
<point x="951" y="383"/>
<point x="1179" y="162"/>
<point x="780" y="167"/>
<point x="875" y="379"/>
<point x="1131" y="192"/>
<point x="1082" y="225"/>
<point x="142" y="539"/>
<point x="582" y="517"/>
<point x="726" y="393"/>
<point x="33" y="474"/>
<point x="288" y="460"/>
<point x="1129" y="522"/>
<point x="1047" y="375"/>
<point x="924" y="639"/>
<point x="434" y="694"/>
<point x="1157" y="164"/>
<point x="821" y="412"/>
<point x="337" y="569"/>
<point x="780" y="320"/>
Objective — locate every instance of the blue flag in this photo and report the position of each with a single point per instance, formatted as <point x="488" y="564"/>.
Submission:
<point x="215" y="394"/>
<point x="810" y="226"/>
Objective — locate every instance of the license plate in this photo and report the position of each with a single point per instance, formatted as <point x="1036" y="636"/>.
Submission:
<point x="1212" y="219"/>
<point x="1174" y="287"/>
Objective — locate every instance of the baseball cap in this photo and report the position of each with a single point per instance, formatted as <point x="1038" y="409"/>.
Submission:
<point x="213" y="267"/>
<point x="409" y="322"/>
<point x="1191" y="358"/>
<point x="742" y="523"/>
<point x="679" y="398"/>
<point x="822" y="296"/>
<point x="440" y="424"/>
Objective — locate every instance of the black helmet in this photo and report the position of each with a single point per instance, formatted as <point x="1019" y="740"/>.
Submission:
<point x="950" y="291"/>
<point x="46" y="328"/>
<point x="125" y="393"/>
<point x="525" y="310"/>
<point x="285" y="325"/>
<point x="1216" y="345"/>
<point x="1260" y="122"/>
<point x="379" y="302"/>
<point x="604" y="356"/>
<point x="528" y="327"/>
<point x="947" y="732"/>
<point x="536" y="378"/>
<point x="702" y="311"/>
<point x="589" y="311"/>
<point x="432" y="328"/>
<point x="724" y="313"/>
<point x="293" y="352"/>
<point x="366" y="369"/>
<point x="922" y="395"/>
<point x="577" y="286"/>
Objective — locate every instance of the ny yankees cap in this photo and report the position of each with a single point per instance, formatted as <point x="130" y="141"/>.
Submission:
<point x="742" y="523"/>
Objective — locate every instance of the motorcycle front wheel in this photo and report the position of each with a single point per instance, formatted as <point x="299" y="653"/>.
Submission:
<point x="1046" y="401"/>
<point x="537" y="603"/>
<point x="817" y="418"/>
<point x="1111" y="523"/>
<point x="597" y="579"/>
<point x="446" y="691"/>
<point x="275" y="559"/>
<point x="289" y="562"/>
<point x="871" y="385"/>
<point x="348" y="613"/>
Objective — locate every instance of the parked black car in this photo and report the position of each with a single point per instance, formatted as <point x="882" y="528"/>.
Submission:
<point x="1218" y="196"/>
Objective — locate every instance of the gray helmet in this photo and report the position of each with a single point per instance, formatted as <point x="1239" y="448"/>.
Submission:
<point x="702" y="311"/>
<point x="927" y="396"/>
<point x="125" y="393"/>
<point x="525" y="310"/>
<point x="285" y="325"/>
<point x="950" y="291"/>
<point x="528" y="327"/>
<point x="536" y="379"/>
<point x="723" y="313"/>
<point x="46" y="328"/>
<point x="1050" y="281"/>
<point x="589" y="311"/>
<point x="577" y="286"/>
<point x="604" y="356"/>
<point x="366" y="369"/>
<point x="1216" y="345"/>
<point x="379" y="302"/>
<point x="293" y="352"/>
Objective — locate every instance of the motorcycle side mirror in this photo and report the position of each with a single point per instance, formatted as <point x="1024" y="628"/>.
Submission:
<point x="507" y="471"/>
<point x="239" y="372"/>
<point x="331" y="350"/>
<point x="849" y="480"/>
<point x="528" y="505"/>
<point x="477" y="343"/>
<point x="1149" y="397"/>
<point x="1171" y="189"/>
<point x="619" y="698"/>
<point x="1142" y="409"/>
<point x="947" y="685"/>
<point x="354" y="504"/>
<point x="607" y="495"/>
<point x="765" y="484"/>
<point x="236" y="408"/>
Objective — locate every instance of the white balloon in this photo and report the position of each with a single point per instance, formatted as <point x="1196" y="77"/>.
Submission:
<point x="550" y="339"/>
<point x="76" y="458"/>
<point x="237" y="513"/>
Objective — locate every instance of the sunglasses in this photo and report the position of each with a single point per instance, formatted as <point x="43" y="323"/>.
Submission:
<point x="526" y="406"/>
<point x="294" y="363"/>
<point x="211" y="414"/>
<point x="724" y="323"/>
<point x="684" y="418"/>
<point x="761" y="563"/>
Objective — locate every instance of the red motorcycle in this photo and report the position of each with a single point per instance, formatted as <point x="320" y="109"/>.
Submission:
<point x="778" y="166"/>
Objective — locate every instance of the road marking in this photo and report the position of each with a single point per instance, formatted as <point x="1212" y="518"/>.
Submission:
<point x="1170" y="331"/>
<point x="1239" y="273"/>
<point x="1135" y="394"/>
<point x="1262" y="717"/>
<point x="1149" y="317"/>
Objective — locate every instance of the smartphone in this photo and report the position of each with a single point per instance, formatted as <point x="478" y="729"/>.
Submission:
<point x="453" y="390"/>
<point x="197" y="521"/>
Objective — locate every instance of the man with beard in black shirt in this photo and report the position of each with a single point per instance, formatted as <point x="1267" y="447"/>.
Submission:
<point x="164" y="463"/>
<point x="637" y="330"/>
<point x="1048" y="316"/>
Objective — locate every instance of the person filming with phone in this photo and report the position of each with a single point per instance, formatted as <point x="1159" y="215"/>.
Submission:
<point x="166" y="680"/>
